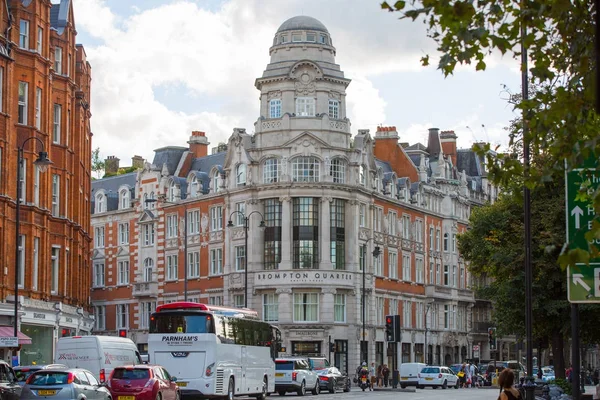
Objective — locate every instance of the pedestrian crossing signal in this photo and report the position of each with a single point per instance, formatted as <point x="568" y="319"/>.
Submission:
<point x="123" y="333"/>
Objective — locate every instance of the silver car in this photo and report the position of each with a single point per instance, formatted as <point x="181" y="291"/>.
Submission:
<point x="62" y="384"/>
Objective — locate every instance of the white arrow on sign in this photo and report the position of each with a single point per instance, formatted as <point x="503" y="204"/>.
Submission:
<point x="577" y="212"/>
<point x="578" y="280"/>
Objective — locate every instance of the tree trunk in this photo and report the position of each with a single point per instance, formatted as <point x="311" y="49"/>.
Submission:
<point x="558" y="354"/>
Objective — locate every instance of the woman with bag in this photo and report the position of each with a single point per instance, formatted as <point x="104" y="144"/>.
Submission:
<point x="506" y="380"/>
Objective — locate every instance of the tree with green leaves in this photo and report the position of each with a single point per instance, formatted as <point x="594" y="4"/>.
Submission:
<point x="97" y="162"/>
<point x="560" y="115"/>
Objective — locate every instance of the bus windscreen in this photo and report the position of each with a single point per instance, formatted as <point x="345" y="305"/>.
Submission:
<point x="181" y="322"/>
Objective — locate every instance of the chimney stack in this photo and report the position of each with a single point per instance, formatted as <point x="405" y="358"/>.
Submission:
<point x="448" y="139"/>
<point x="198" y="144"/>
<point x="111" y="165"/>
<point x="137" y="162"/>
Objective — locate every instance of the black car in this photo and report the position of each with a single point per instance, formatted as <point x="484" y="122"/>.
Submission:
<point x="333" y="379"/>
<point x="9" y="387"/>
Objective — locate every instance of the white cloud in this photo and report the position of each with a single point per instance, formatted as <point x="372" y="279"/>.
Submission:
<point x="213" y="57"/>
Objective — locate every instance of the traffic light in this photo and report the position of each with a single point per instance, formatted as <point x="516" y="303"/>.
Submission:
<point x="123" y="333"/>
<point x="390" y="326"/>
<point x="332" y="347"/>
<point x="492" y="338"/>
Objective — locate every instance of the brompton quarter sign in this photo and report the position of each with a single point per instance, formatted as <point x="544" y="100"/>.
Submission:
<point x="299" y="277"/>
<point x="583" y="280"/>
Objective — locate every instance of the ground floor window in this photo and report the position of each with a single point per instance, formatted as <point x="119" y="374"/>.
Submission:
<point x="40" y="350"/>
<point x="306" y="348"/>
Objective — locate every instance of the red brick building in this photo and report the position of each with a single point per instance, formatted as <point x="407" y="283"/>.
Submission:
<point x="45" y="83"/>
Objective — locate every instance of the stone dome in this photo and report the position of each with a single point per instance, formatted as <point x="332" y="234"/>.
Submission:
<point x="302" y="22"/>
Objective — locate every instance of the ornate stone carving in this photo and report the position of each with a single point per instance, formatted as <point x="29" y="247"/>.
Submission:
<point x="283" y="291"/>
<point x="335" y="95"/>
<point x="338" y="125"/>
<point x="285" y="199"/>
<point x="305" y="88"/>
<point x="275" y="94"/>
<point x="327" y="199"/>
<point x="271" y="125"/>
<point x="204" y="223"/>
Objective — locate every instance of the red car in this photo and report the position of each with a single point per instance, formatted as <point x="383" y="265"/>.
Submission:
<point x="142" y="382"/>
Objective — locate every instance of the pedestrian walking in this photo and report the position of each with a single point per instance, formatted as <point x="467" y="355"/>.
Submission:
<point x="386" y="374"/>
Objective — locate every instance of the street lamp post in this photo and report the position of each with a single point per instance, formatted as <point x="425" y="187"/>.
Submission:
<point x="42" y="163"/>
<point x="185" y="244"/>
<point x="426" y="330"/>
<point x="246" y="226"/>
<point x="376" y="252"/>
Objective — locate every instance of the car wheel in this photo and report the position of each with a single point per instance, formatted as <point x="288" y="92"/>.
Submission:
<point x="347" y="386"/>
<point x="434" y="387"/>
<point x="445" y="385"/>
<point x="158" y="396"/>
<point x="302" y="390"/>
<point x="231" y="389"/>
<point x="403" y="386"/>
<point x="317" y="388"/>
<point x="281" y="393"/>
<point x="178" y="395"/>
<point x="263" y="394"/>
<point x="456" y="386"/>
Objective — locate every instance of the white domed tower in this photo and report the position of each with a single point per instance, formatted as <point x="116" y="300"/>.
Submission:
<point x="302" y="89"/>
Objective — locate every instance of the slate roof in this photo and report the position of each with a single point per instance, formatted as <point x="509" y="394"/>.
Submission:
<point x="468" y="161"/>
<point x="111" y="187"/>
<point x="205" y="164"/>
<point x="170" y="155"/>
<point x="59" y="15"/>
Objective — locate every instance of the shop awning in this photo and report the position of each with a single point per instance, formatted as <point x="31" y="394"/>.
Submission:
<point x="6" y="331"/>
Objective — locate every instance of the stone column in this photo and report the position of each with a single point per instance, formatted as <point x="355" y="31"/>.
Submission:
<point x="325" y="233"/>
<point x="352" y="232"/>
<point x="327" y="304"/>
<point x="286" y="304"/>
<point x="286" y="233"/>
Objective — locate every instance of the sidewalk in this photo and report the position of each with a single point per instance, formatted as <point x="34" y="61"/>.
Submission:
<point x="391" y="389"/>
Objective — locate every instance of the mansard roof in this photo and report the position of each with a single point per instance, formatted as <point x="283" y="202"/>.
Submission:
<point x="59" y="15"/>
<point x="169" y="156"/>
<point x="468" y="161"/>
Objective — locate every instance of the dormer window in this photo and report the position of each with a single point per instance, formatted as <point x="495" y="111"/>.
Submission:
<point x="296" y="38"/>
<point x="474" y="184"/>
<point x="144" y="199"/>
<point x="305" y="107"/>
<point x="100" y="203"/>
<point x="194" y="189"/>
<point x="172" y="196"/>
<point x="240" y="175"/>
<point x="393" y="188"/>
<point x="124" y="199"/>
<point x="334" y="109"/>
<point x="275" y="108"/>
<point x="311" y="37"/>
<point x="215" y="182"/>
<point x="362" y="179"/>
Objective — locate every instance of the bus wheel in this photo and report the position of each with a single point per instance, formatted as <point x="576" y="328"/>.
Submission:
<point x="263" y="394"/>
<point x="230" y="389"/>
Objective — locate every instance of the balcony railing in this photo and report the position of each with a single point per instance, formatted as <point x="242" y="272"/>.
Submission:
<point x="145" y="289"/>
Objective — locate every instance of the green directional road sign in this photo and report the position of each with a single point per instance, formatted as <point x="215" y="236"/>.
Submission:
<point x="583" y="280"/>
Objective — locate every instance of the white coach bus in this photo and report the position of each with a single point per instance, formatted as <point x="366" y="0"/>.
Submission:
<point x="213" y="351"/>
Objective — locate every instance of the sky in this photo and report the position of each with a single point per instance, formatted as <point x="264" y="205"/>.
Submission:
<point x="164" y="68"/>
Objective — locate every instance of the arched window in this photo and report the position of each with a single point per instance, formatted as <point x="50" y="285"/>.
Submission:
<point x="393" y="188"/>
<point x="305" y="169"/>
<point x="240" y="175"/>
<point x="377" y="183"/>
<point x="100" y="203"/>
<point x="145" y="198"/>
<point x="194" y="187"/>
<point x="124" y="200"/>
<point x="362" y="178"/>
<point x="338" y="170"/>
<point x="215" y="181"/>
<point x="148" y="269"/>
<point x="271" y="170"/>
<point x="172" y="192"/>
<point x="445" y="242"/>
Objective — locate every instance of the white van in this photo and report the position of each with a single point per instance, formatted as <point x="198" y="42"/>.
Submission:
<point x="98" y="354"/>
<point x="409" y="374"/>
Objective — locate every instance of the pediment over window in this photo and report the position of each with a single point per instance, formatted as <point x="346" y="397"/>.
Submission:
<point x="306" y="140"/>
<point x="123" y="251"/>
<point x="97" y="254"/>
<point x="147" y="216"/>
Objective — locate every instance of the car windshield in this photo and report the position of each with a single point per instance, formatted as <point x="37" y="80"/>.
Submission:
<point x="50" y="378"/>
<point x="281" y="365"/>
<point x="430" y="370"/>
<point x="131" y="374"/>
<point x="24" y="373"/>
<point x="319" y="363"/>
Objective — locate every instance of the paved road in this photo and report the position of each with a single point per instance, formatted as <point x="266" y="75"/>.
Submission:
<point x="420" y="394"/>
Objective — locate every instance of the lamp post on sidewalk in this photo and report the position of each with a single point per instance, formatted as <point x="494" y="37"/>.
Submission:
<point x="376" y="253"/>
<point x="42" y="163"/>
<point x="246" y="226"/>
<point x="185" y="243"/>
<point x="425" y="352"/>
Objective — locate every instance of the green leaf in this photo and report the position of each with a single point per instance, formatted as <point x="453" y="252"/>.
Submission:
<point x="480" y="66"/>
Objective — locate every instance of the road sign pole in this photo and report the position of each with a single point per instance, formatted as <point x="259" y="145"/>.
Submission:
<point x="576" y="362"/>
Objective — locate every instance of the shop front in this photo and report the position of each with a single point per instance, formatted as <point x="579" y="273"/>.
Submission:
<point x="40" y="351"/>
